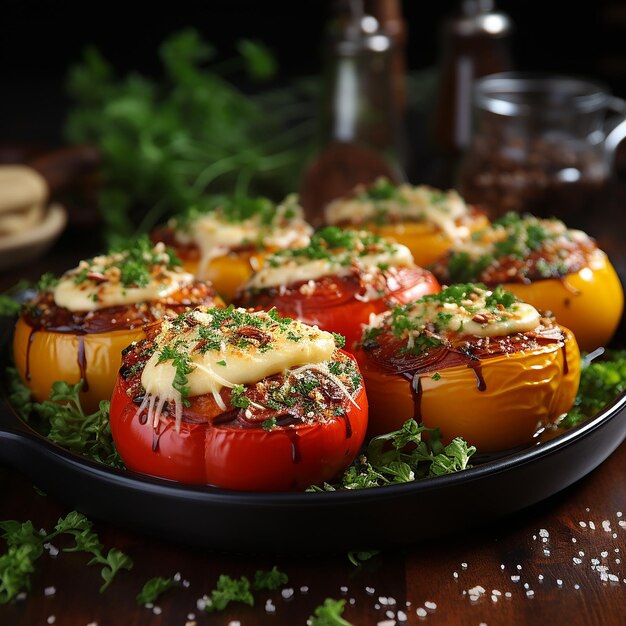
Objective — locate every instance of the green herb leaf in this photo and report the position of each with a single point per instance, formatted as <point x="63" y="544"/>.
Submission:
<point x="271" y="580"/>
<point x="358" y="557"/>
<point x="153" y="589"/>
<point x="229" y="590"/>
<point x="329" y="614"/>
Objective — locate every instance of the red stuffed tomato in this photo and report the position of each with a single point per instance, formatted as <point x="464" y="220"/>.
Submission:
<point x="239" y="400"/>
<point x="338" y="281"/>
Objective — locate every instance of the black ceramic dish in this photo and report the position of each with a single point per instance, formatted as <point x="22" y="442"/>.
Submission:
<point x="310" y="522"/>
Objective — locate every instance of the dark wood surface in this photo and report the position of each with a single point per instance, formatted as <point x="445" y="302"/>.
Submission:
<point x="560" y="562"/>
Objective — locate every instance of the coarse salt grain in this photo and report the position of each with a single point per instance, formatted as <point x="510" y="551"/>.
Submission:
<point x="377" y="606"/>
<point x="559" y="582"/>
<point x="191" y="616"/>
<point x="383" y="600"/>
<point x="496" y="592"/>
<point x="51" y="619"/>
<point x="546" y="552"/>
<point x="157" y="610"/>
<point x="581" y="553"/>
<point x="543" y="533"/>
<point x="53" y="551"/>
<point x="519" y="567"/>
<point x="606" y="526"/>
<point x="270" y="607"/>
<point x="622" y="523"/>
<point x="530" y="593"/>
<point x="573" y="539"/>
<point x="576" y="560"/>
<point x="540" y="577"/>
<point x="21" y="596"/>
<point x="421" y="612"/>
<point x="501" y="566"/>
<point x="177" y="577"/>
<point x="304" y="589"/>
<point x="604" y="554"/>
<point x="463" y="565"/>
<point x="494" y="598"/>
<point x="455" y="574"/>
<point x="582" y="524"/>
<point x="387" y="622"/>
<point x="390" y="614"/>
<point x="515" y="579"/>
<point x="343" y="589"/>
<point x="592" y="525"/>
<point x="186" y="584"/>
<point x="619" y="514"/>
<point x="288" y="593"/>
<point x="402" y="616"/>
<point x="613" y="578"/>
<point x="508" y="594"/>
<point x="352" y="601"/>
<point x="370" y="590"/>
<point x="49" y="591"/>
<point x="431" y="606"/>
<point x="201" y="603"/>
<point x="234" y="623"/>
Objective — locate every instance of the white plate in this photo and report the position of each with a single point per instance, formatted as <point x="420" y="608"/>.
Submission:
<point x="17" y="249"/>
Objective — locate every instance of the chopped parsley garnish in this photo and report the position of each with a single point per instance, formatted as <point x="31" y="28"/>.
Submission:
<point x="269" y="424"/>
<point x="422" y="322"/>
<point x="269" y="579"/>
<point x="263" y="212"/>
<point x="133" y="266"/>
<point x="336" y="245"/>
<point x="516" y="240"/>
<point x="238" y="399"/>
<point x="229" y="590"/>
<point x="181" y="362"/>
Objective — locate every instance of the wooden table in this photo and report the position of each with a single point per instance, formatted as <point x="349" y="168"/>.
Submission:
<point x="560" y="562"/>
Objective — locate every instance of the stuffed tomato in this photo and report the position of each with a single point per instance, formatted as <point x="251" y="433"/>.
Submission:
<point x="338" y="281"/>
<point x="77" y="326"/>
<point x="226" y="244"/>
<point x="544" y="263"/>
<point x="472" y="362"/>
<point x="426" y="220"/>
<point x="239" y="400"/>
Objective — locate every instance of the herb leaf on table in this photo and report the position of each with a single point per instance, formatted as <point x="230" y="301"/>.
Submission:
<point x="26" y="545"/>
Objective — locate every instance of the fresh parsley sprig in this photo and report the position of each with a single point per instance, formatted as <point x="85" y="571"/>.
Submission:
<point x="63" y="420"/>
<point x="25" y="545"/>
<point x="403" y="456"/>
<point x="329" y="614"/>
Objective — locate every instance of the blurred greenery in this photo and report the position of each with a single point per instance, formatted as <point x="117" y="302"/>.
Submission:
<point x="191" y="135"/>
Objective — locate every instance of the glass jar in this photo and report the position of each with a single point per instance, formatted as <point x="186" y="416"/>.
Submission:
<point x="542" y="144"/>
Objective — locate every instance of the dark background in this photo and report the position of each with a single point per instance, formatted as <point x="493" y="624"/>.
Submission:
<point x="39" y="41"/>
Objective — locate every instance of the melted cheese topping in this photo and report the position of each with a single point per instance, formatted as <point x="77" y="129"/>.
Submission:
<point x="215" y="235"/>
<point x="97" y="284"/>
<point x="470" y="317"/>
<point x="245" y="352"/>
<point x="286" y="270"/>
<point x="486" y="242"/>
<point x="412" y="204"/>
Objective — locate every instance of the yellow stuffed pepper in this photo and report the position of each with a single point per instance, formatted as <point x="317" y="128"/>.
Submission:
<point x="543" y="262"/>
<point x="77" y="326"/>
<point x="472" y="362"/>
<point x="424" y="219"/>
<point x="227" y="244"/>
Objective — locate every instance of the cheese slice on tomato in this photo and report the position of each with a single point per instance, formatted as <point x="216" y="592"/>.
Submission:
<point x="206" y="350"/>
